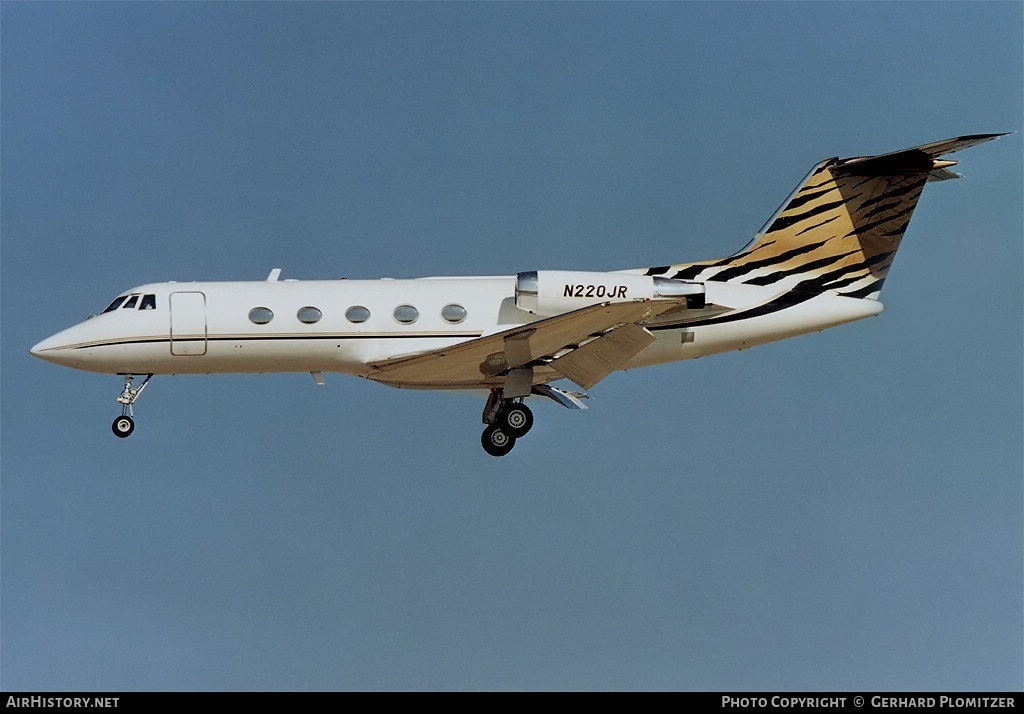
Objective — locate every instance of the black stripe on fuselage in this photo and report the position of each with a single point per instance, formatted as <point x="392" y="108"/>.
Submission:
<point x="273" y="338"/>
<point x="804" y="291"/>
<point x="689" y="271"/>
<point x="809" y="267"/>
<point x="866" y="290"/>
<point x="786" y="300"/>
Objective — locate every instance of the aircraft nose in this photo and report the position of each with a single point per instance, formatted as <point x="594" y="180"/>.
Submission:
<point x="55" y="349"/>
<point x="40" y="348"/>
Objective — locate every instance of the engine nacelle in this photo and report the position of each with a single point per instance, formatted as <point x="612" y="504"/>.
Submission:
<point x="552" y="292"/>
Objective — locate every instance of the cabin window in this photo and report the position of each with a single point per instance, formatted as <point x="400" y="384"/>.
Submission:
<point x="357" y="313"/>
<point x="308" y="315"/>
<point x="406" y="314"/>
<point x="117" y="303"/>
<point x="261" y="315"/>
<point x="148" y="302"/>
<point x="132" y="301"/>
<point x="453" y="313"/>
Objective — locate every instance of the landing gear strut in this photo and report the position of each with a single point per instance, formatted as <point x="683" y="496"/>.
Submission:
<point x="507" y="420"/>
<point x="124" y="425"/>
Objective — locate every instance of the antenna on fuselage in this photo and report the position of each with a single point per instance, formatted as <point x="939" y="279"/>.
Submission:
<point x="274" y="275"/>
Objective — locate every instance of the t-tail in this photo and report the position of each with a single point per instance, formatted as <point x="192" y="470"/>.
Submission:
<point x="840" y="229"/>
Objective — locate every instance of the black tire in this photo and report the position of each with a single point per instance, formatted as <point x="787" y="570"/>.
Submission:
<point x="496" y="441"/>
<point x="123" y="426"/>
<point x="517" y="419"/>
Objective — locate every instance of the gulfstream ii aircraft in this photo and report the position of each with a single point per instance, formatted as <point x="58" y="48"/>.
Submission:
<point x="819" y="261"/>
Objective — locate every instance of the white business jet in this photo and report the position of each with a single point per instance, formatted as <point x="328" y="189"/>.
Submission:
<point x="819" y="261"/>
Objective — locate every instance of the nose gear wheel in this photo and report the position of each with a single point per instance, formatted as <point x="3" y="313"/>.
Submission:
<point x="123" y="426"/>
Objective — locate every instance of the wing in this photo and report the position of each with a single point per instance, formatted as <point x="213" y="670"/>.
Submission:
<point x="584" y="345"/>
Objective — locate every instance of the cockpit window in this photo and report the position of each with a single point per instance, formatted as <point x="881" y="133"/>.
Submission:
<point x="148" y="302"/>
<point x="131" y="302"/>
<point x="117" y="303"/>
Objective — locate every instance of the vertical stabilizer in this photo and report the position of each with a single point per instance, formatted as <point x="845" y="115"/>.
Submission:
<point x="840" y="229"/>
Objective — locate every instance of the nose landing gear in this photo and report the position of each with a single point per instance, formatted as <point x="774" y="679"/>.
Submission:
<point x="507" y="420"/>
<point x="124" y="425"/>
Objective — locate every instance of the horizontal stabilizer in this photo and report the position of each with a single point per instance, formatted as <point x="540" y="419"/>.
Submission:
<point x="918" y="160"/>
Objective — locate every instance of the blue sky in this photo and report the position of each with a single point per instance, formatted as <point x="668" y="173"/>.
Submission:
<point x="838" y="511"/>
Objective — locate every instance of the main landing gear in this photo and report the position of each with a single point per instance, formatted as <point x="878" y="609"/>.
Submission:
<point x="507" y="420"/>
<point x="124" y="425"/>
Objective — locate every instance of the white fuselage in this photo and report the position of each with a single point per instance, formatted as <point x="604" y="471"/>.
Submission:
<point x="819" y="261"/>
<point x="205" y="327"/>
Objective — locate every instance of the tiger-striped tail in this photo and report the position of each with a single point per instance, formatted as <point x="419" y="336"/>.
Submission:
<point x="840" y="229"/>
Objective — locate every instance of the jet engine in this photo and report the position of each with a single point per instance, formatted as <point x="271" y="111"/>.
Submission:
<point x="553" y="292"/>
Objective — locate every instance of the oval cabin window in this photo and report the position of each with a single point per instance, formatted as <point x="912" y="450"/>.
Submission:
<point x="406" y="314"/>
<point x="309" y="315"/>
<point x="261" y="315"/>
<point x="453" y="313"/>
<point x="357" y="313"/>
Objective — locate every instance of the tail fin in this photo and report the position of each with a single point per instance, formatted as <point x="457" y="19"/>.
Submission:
<point x="839" y="230"/>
